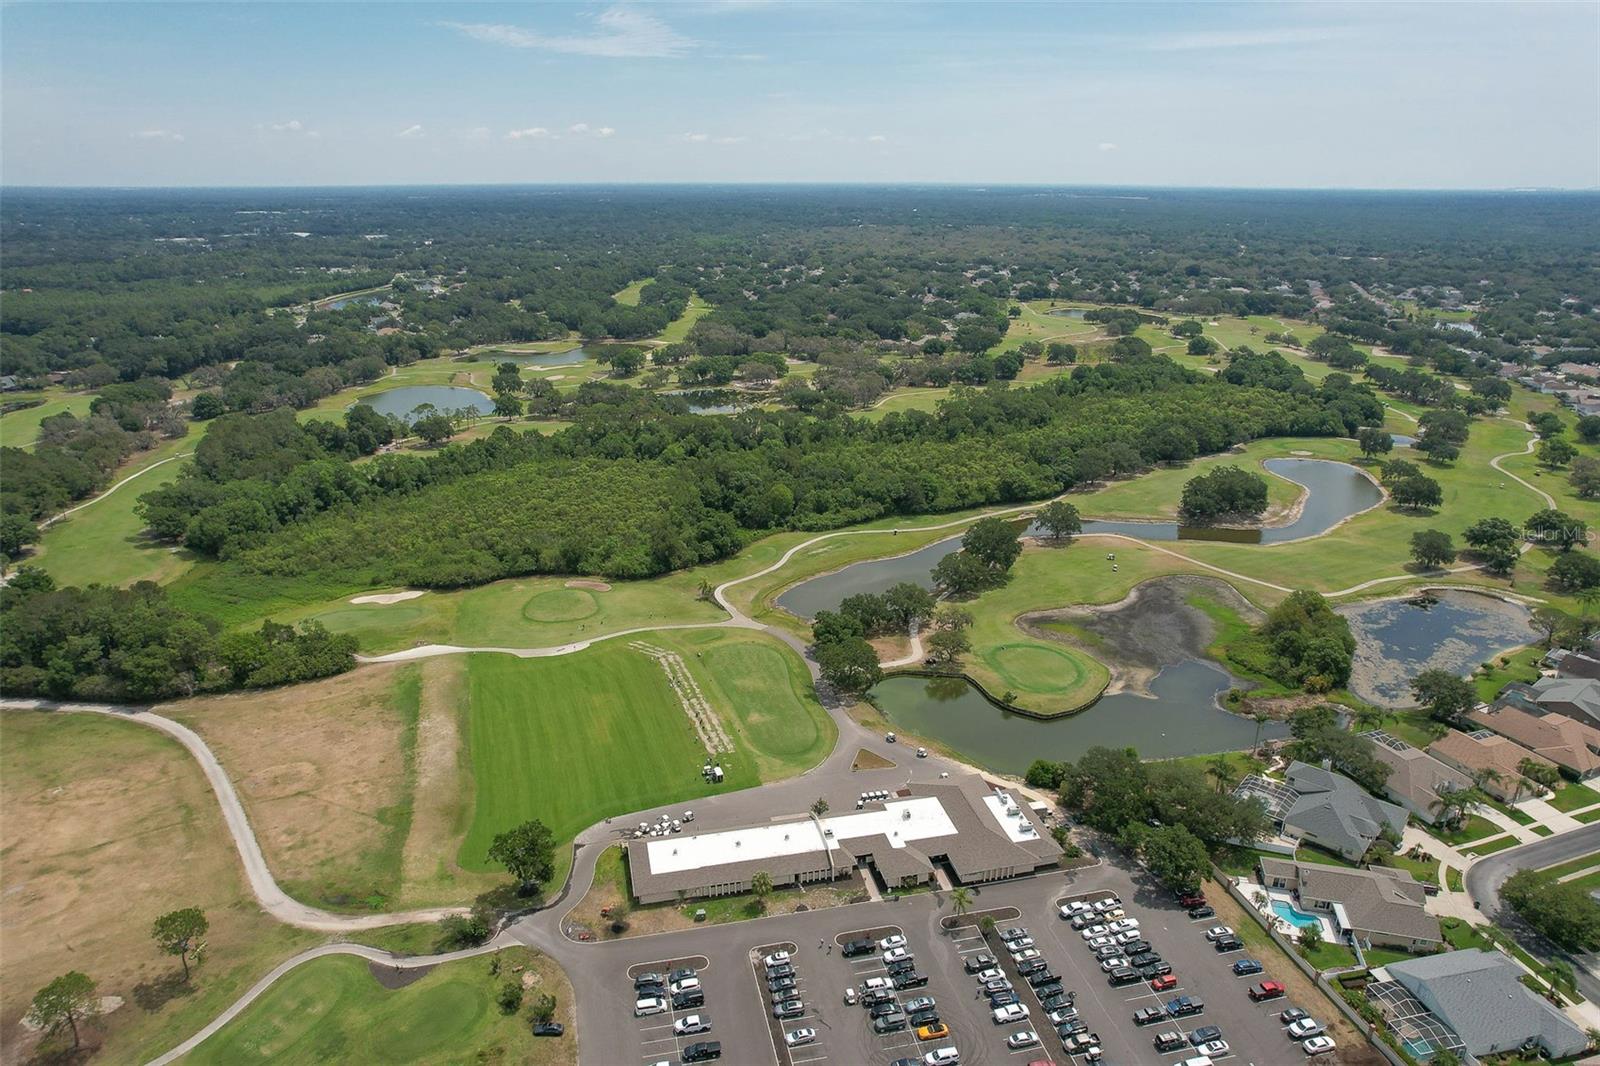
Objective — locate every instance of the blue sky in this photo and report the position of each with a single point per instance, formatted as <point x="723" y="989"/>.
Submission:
<point x="1376" y="95"/>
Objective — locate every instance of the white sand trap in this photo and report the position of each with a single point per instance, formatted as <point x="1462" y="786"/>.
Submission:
<point x="592" y="586"/>
<point x="389" y="597"/>
<point x="1301" y="452"/>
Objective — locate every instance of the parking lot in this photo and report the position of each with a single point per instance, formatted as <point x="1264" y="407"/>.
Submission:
<point x="738" y="1002"/>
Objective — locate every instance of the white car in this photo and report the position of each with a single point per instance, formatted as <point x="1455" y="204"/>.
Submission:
<point x="1217" y="932"/>
<point x="796" y="1037"/>
<point x="890" y="942"/>
<point x="989" y="975"/>
<point x="1113" y="963"/>
<point x="1013" y="1012"/>
<point x="1025" y="955"/>
<point x="1213" y="1049"/>
<point x="690" y="1025"/>
<point x="850" y="997"/>
<point x="1077" y="906"/>
<point x="1305" y="1028"/>
<point x="1128" y="936"/>
<point x="1094" y="931"/>
<point x="777" y="958"/>
<point x="1109" y="903"/>
<point x="649" y="1005"/>
<point x="1100" y="942"/>
<point x="1123" y="925"/>
<point x="896" y="954"/>
<point x="1063" y="1015"/>
<point x="1022" y="1039"/>
<point x="1317" y="1045"/>
<point x="686" y="984"/>
<point x="1020" y="943"/>
<point x="942" y="1056"/>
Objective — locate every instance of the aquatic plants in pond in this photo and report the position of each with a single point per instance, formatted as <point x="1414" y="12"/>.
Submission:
<point x="1448" y="629"/>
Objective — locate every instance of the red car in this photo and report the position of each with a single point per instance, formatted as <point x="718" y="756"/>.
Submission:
<point x="1266" y="990"/>
<point x="1190" y="900"/>
<point x="1164" y="982"/>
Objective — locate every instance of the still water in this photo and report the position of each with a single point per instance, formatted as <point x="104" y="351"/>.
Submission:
<point x="1182" y="719"/>
<point x="570" y="357"/>
<point x="371" y="301"/>
<point x="401" y="402"/>
<point x="1449" y="629"/>
<point x="1335" y="491"/>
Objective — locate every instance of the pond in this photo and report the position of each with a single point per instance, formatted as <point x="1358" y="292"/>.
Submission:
<point x="1453" y="630"/>
<point x="372" y="300"/>
<point x="1068" y="312"/>
<point x="708" y="401"/>
<point x="401" y="402"/>
<point x="1335" y="491"/>
<point x="570" y="357"/>
<point x="1183" y="718"/>
<point x="1403" y="440"/>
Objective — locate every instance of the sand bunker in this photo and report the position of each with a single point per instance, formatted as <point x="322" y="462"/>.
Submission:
<point x="388" y="597"/>
<point x="592" y="586"/>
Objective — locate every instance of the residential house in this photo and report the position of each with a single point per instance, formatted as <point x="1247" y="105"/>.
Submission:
<point x="1480" y="995"/>
<point x="1479" y="751"/>
<point x="1379" y="906"/>
<point x="1568" y="663"/>
<point x="1568" y="743"/>
<point x="1575" y="697"/>
<point x="1317" y="806"/>
<point x="1416" y="779"/>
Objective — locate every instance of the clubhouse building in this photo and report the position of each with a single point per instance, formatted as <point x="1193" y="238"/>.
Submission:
<point x="972" y="831"/>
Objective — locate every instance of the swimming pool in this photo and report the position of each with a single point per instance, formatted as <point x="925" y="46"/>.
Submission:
<point x="1294" y="915"/>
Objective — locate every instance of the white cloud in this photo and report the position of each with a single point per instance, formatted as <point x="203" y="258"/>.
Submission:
<point x="410" y="132"/>
<point x="876" y="138"/>
<point x="583" y="129"/>
<point x="706" y="138"/>
<point x="580" y="128"/>
<point x="1106" y="146"/>
<point x="1204" y="40"/>
<point x="620" y="33"/>
<point x="157" y="135"/>
<point x="604" y="131"/>
<point x="294" y="125"/>
<point x="532" y="133"/>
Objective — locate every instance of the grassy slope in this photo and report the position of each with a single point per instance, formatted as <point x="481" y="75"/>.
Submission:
<point x="1157" y="493"/>
<point x="679" y="327"/>
<point x="630" y="295"/>
<point x="575" y="739"/>
<point x="20" y="429"/>
<point x="334" y="1010"/>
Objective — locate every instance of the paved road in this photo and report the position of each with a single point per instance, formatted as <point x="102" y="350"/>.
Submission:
<point x="1490" y="872"/>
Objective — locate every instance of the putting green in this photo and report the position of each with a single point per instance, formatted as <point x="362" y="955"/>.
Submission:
<point x="560" y="605"/>
<point x="1035" y="667"/>
<point x="356" y="617"/>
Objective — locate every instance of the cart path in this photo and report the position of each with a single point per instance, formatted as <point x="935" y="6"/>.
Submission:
<point x="263" y="885"/>
<point x="91" y="501"/>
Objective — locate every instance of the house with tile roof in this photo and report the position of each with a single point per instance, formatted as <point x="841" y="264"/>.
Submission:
<point x="1416" y="779"/>
<point x="1568" y="743"/>
<point x="1480" y="995"/>
<point x="1499" y="761"/>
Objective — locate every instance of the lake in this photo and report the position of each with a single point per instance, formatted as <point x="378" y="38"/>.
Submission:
<point x="401" y="402"/>
<point x="371" y="301"/>
<point x="1396" y="639"/>
<point x="1184" y="718"/>
<point x="708" y="401"/>
<point x="570" y="357"/>
<point x="1335" y="492"/>
<point x="1068" y="312"/>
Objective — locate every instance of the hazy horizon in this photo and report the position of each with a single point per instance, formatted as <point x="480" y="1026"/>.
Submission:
<point x="1395" y="97"/>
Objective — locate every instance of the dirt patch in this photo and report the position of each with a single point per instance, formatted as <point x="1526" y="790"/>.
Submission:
<point x="322" y="772"/>
<point x="393" y="977"/>
<point x="388" y="597"/>
<point x="592" y="586"/>
<point x="891" y="649"/>
<point x="108" y="824"/>
<point x="1153" y="627"/>
<point x="869" y="760"/>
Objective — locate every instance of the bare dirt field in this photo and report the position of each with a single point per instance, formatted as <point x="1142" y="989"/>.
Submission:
<point x="104" y="825"/>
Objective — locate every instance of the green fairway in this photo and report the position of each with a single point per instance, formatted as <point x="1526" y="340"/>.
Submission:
<point x="679" y="327"/>
<point x="333" y="1010"/>
<point x="574" y="739"/>
<point x="20" y="429"/>
<point x="1156" y="494"/>
<point x="630" y="295"/>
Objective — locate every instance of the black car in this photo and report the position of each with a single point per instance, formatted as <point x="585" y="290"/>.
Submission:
<point x="1072" y="1028"/>
<point x="1031" y="966"/>
<point x="780" y="984"/>
<point x="1002" y="999"/>
<point x="1122" y="975"/>
<point x="549" y="1029"/>
<point x="1206" y="911"/>
<point x="682" y="973"/>
<point x="645" y="979"/>
<point x="1154" y="970"/>
<point x="901" y="966"/>
<point x="979" y="963"/>
<point x="1055" y="1002"/>
<point x="1166" y="1042"/>
<point x="1229" y="943"/>
<point x="887" y="1006"/>
<point x="875" y="996"/>
<point x="862" y="946"/>
<point x="1044" y="992"/>
<point x="703" y="1051"/>
<point x="911" y="979"/>
<point x="783" y="969"/>
<point x="1148" y="1016"/>
<point x="1138" y="947"/>
<point x="1042" y="977"/>
<point x="919" y="1018"/>
<point x="1204" y="1035"/>
<point x="1143" y="958"/>
<point x="691" y="998"/>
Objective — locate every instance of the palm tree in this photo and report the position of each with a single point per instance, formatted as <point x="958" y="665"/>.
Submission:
<point x="1261" y="720"/>
<point x="1369" y="718"/>
<point x="761" y="887"/>
<point x="960" y="901"/>
<point x="1221" y="768"/>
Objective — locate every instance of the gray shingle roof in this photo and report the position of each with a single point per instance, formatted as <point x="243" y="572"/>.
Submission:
<point x="1479" y="995"/>
<point x="1337" y="811"/>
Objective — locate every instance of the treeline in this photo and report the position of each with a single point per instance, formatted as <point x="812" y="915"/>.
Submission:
<point x="1303" y="643"/>
<point x="636" y="488"/>
<point x="119" y="645"/>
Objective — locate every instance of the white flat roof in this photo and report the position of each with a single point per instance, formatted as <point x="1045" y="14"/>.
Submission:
<point x="1016" y="827"/>
<point x="901" y="821"/>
